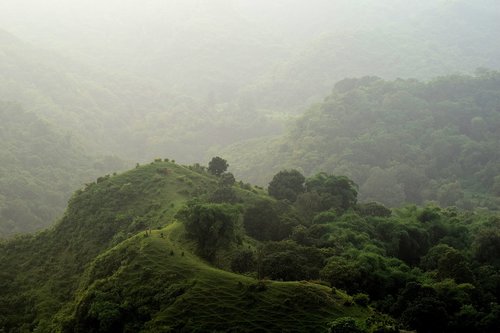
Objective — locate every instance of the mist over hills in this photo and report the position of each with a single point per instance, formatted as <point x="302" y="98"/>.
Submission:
<point x="192" y="79"/>
<point x="371" y="126"/>
<point x="401" y="141"/>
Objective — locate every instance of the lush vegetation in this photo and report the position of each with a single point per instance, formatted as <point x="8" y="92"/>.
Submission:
<point x="127" y="256"/>
<point x="400" y="141"/>
<point x="381" y="210"/>
<point x="109" y="266"/>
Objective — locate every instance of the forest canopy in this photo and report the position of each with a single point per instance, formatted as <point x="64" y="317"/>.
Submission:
<point x="401" y="141"/>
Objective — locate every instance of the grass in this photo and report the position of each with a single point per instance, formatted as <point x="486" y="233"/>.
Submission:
<point x="196" y="297"/>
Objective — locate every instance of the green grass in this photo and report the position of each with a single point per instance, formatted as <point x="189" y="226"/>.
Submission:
<point x="193" y="296"/>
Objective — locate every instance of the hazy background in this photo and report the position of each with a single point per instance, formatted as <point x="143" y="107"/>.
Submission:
<point x="119" y="82"/>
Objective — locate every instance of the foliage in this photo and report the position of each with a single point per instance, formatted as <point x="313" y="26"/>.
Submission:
<point x="430" y="268"/>
<point x="344" y="325"/>
<point x="217" y="166"/>
<point x="289" y="261"/>
<point x="263" y="222"/>
<point x="339" y="191"/>
<point x="244" y="261"/>
<point x="401" y="141"/>
<point x="212" y="226"/>
<point x="286" y="184"/>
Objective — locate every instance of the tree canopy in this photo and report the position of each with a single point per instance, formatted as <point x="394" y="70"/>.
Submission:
<point x="217" y="166"/>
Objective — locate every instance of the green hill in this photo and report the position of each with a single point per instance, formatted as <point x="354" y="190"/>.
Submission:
<point x="172" y="248"/>
<point x="41" y="166"/>
<point x="400" y="141"/>
<point x="162" y="287"/>
<point x="97" y="271"/>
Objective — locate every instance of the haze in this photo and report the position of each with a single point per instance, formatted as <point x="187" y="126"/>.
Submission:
<point x="129" y="81"/>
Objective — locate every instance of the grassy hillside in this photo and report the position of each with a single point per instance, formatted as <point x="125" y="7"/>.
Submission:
<point x="96" y="269"/>
<point x="164" y="287"/>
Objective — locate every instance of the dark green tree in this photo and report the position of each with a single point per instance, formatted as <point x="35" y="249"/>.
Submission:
<point x="337" y="191"/>
<point x="344" y="325"/>
<point x="487" y="246"/>
<point x="227" y="179"/>
<point x="286" y="184"/>
<point x="244" y="261"/>
<point x="212" y="226"/>
<point x="217" y="166"/>
<point x="261" y="221"/>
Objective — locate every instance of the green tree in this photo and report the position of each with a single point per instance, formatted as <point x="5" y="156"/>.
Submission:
<point x="286" y="184"/>
<point x="344" y="325"/>
<point x="212" y="226"/>
<point x="217" y="166"/>
<point x="337" y="191"/>
<point x="227" y="179"/>
<point x="243" y="261"/>
<point x="487" y="246"/>
<point x="261" y="221"/>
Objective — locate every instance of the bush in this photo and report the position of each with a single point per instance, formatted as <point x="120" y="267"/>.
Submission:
<point x="344" y="325"/>
<point x="361" y="299"/>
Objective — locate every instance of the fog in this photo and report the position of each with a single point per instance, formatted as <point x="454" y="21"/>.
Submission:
<point x="136" y="80"/>
<point x="249" y="165"/>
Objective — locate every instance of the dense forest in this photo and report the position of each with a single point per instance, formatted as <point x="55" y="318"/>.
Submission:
<point x="401" y="141"/>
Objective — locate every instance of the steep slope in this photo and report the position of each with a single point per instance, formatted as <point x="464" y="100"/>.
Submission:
<point x="400" y="141"/>
<point x="67" y="278"/>
<point x="98" y="217"/>
<point x="40" y="168"/>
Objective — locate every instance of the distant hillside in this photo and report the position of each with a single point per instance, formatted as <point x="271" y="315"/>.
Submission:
<point x="115" y="112"/>
<point x="400" y="141"/>
<point x="40" y="168"/>
<point x="389" y="39"/>
<point x="278" y="55"/>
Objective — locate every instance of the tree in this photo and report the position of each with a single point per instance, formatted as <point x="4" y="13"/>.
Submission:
<point x="344" y="325"/>
<point x="212" y="226"/>
<point x="227" y="179"/>
<point x="486" y="246"/>
<point x="217" y="166"/>
<point x="337" y="191"/>
<point x="286" y="184"/>
<point x="244" y="261"/>
<point x="289" y="261"/>
<point x="262" y="222"/>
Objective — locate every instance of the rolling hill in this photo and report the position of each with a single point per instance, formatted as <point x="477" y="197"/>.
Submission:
<point x="106" y="267"/>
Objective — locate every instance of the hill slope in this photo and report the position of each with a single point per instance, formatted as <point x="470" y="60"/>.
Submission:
<point x="97" y="272"/>
<point x="164" y="287"/>
<point x="40" y="168"/>
<point x="400" y="141"/>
